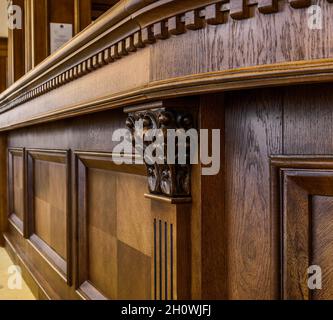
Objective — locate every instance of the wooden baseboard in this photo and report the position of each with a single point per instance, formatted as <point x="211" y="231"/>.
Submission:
<point x="30" y="279"/>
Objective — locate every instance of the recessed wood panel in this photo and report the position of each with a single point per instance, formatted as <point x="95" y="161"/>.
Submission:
<point x="16" y="187"/>
<point x="50" y="204"/>
<point x="114" y="250"/>
<point x="304" y="188"/>
<point x="48" y="181"/>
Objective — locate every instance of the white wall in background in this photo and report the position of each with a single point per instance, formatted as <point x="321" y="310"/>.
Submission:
<point x="3" y="19"/>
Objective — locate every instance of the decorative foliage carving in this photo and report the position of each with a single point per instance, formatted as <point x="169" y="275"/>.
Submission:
<point x="172" y="180"/>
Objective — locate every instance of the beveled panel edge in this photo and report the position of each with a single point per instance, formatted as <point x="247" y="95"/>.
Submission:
<point x="13" y="219"/>
<point x="278" y="164"/>
<point x="164" y="199"/>
<point x="85" y="160"/>
<point x="139" y="28"/>
<point x="105" y="160"/>
<point x="62" y="156"/>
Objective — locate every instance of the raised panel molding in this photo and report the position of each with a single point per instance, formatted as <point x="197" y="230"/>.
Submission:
<point x="302" y="199"/>
<point x="16" y="189"/>
<point x="114" y="236"/>
<point x="49" y="197"/>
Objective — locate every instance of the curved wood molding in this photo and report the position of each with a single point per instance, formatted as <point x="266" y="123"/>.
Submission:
<point x="129" y="26"/>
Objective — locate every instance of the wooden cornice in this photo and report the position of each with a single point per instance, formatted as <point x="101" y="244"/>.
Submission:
<point x="133" y="24"/>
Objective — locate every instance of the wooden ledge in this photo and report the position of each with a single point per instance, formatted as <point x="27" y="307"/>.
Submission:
<point x="167" y="199"/>
<point x="126" y="28"/>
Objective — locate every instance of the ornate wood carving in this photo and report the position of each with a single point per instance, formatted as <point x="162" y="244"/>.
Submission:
<point x="171" y="180"/>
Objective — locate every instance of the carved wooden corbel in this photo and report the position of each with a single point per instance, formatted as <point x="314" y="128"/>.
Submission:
<point x="171" y="180"/>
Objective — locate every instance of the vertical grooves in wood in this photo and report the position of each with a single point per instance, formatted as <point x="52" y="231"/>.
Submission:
<point x="155" y="262"/>
<point x="166" y="259"/>
<point x="160" y="254"/>
<point x="171" y="261"/>
<point x="163" y="260"/>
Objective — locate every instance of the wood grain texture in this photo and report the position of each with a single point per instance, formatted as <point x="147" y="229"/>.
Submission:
<point x="305" y="194"/>
<point x="3" y="187"/>
<point x="322" y="211"/>
<point x="49" y="207"/>
<point x="213" y="273"/>
<point x="308" y="115"/>
<point x="282" y="45"/>
<point x="113" y="234"/>
<point x="253" y="128"/>
<point x="16" y="49"/>
<point x="3" y="63"/>
<point x="16" y="188"/>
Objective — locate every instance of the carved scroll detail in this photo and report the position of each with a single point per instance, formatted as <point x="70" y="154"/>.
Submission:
<point x="172" y="180"/>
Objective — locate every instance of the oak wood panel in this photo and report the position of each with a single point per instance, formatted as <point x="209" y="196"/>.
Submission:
<point x="305" y="197"/>
<point x="82" y="17"/>
<point x="171" y="264"/>
<point x="322" y="208"/>
<point x="211" y="200"/>
<point x="3" y="187"/>
<point x="40" y="32"/>
<point x="283" y="46"/>
<point x="263" y="39"/>
<point x="253" y="131"/>
<point x="61" y="11"/>
<point x="113" y="234"/>
<point x="16" y="49"/>
<point x="308" y="120"/>
<point x="3" y="63"/>
<point x="49" y="207"/>
<point x="16" y="188"/>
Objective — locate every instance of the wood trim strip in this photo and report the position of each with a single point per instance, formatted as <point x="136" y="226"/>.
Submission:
<point x="289" y="73"/>
<point x="141" y="29"/>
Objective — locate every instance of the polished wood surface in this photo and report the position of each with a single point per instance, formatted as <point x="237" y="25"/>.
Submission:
<point x="168" y="65"/>
<point x="3" y="63"/>
<point x="83" y="227"/>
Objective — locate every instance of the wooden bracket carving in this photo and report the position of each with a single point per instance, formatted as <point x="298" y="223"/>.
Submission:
<point x="171" y="180"/>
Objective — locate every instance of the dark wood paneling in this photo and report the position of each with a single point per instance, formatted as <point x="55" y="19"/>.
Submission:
<point x="211" y="199"/>
<point x="16" y="49"/>
<point x="3" y="63"/>
<point x="308" y="120"/>
<point x="61" y="11"/>
<point x="3" y="187"/>
<point x="305" y="194"/>
<point x="16" y="188"/>
<point x="113" y="235"/>
<point x="49" y="206"/>
<point x="260" y="40"/>
<point x="253" y="131"/>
